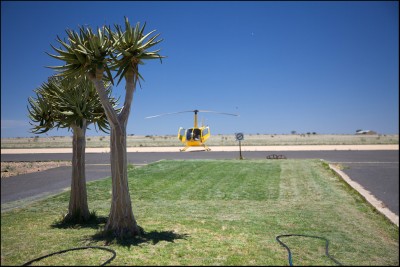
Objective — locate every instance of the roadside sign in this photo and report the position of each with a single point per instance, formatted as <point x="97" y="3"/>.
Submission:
<point x="239" y="136"/>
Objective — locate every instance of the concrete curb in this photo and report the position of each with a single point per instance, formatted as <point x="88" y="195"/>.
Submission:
<point x="368" y="196"/>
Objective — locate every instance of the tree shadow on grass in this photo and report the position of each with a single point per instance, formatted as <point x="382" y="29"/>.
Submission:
<point x="152" y="237"/>
<point x="95" y="222"/>
<point x="98" y="222"/>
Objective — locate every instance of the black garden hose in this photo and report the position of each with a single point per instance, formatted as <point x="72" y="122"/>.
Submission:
<point x="114" y="253"/>
<point x="290" y="253"/>
<point x="71" y="249"/>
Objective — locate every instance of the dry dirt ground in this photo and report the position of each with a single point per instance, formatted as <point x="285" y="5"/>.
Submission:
<point x="9" y="169"/>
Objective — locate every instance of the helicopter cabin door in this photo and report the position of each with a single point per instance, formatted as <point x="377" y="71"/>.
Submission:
<point x="205" y="134"/>
<point x="182" y="134"/>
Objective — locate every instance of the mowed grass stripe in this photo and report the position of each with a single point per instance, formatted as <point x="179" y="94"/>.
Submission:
<point x="305" y="180"/>
<point x="208" y="180"/>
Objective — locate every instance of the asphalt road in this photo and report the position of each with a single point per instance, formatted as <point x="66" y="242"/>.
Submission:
<point x="376" y="171"/>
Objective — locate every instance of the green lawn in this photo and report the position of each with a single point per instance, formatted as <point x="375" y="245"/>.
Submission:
<point x="214" y="212"/>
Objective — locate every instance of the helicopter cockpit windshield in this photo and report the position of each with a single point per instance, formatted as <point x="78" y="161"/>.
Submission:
<point x="193" y="134"/>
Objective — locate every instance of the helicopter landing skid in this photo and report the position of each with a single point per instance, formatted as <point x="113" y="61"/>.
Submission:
<point x="206" y="148"/>
<point x="186" y="147"/>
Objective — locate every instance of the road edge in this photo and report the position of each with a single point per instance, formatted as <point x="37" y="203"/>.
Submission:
<point x="377" y="204"/>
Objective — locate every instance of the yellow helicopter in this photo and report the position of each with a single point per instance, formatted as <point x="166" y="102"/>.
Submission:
<point x="196" y="136"/>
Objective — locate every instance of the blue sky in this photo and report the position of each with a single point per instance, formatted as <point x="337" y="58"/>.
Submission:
<point x="325" y="67"/>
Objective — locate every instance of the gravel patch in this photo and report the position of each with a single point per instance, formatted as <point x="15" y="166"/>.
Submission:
<point x="9" y="169"/>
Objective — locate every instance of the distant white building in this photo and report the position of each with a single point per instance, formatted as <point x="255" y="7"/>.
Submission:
<point x="358" y="132"/>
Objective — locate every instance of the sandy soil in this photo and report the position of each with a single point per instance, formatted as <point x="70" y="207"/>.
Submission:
<point x="9" y="169"/>
<point x="213" y="148"/>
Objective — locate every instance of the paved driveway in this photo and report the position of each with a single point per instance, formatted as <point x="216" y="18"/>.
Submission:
<point x="41" y="184"/>
<point x="380" y="178"/>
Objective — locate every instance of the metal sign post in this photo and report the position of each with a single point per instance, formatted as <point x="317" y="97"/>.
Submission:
<point x="239" y="137"/>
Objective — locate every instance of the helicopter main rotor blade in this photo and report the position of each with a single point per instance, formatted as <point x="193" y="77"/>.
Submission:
<point x="210" y="111"/>
<point x="195" y="111"/>
<point x="170" y="113"/>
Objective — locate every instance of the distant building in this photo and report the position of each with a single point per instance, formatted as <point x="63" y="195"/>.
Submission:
<point x="369" y="132"/>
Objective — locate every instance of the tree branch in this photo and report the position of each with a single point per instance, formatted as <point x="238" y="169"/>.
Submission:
<point x="129" y="90"/>
<point x="108" y="108"/>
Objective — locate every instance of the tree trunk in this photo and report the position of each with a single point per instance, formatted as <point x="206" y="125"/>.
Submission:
<point x="78" y="207"/>
<point x="121" y="220"/>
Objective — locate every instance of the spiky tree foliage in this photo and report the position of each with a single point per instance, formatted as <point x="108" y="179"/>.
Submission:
<point x="74" y="104"/>
<point x="84" y="52"/>
<point x="96" y="54"/>
<point x="67" y="102"/>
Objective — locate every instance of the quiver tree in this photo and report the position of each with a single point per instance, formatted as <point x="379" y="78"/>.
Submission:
<point x="70" y="103"/>
<point x="96" y="55"/>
